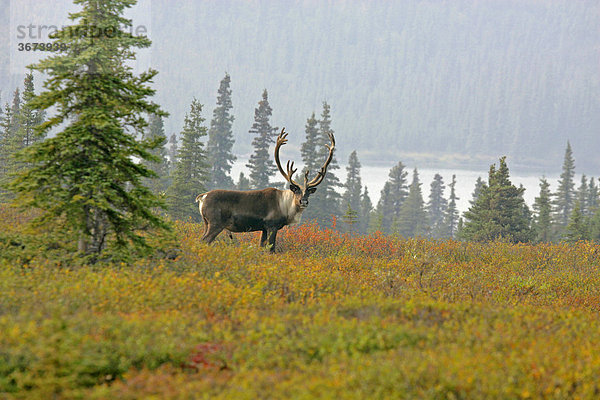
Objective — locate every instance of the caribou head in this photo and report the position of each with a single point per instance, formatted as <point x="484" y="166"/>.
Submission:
<point x="301" y="192"/>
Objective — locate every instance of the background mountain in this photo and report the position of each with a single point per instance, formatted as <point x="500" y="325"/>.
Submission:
<point x="452" y="83"/>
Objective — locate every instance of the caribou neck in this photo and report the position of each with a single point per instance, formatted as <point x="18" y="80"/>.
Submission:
<point x="288" y="207"/>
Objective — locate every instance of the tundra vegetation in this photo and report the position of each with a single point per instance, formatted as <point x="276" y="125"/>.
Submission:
<point x="332" y="315"/>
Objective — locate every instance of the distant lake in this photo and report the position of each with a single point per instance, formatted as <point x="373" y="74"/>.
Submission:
<point x="375" y="177"/>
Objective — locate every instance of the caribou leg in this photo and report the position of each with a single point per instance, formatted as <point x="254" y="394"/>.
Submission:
<point x="272" y="238"/>
<point x="263" y="238"/>
<point x="211" y="233"/>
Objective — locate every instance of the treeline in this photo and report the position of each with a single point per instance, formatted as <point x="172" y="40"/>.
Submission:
<point x="202" y="158"/>
<point x="18" y="122"/>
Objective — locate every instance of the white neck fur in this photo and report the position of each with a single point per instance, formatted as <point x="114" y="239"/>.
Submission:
<point x="287" y="206"/>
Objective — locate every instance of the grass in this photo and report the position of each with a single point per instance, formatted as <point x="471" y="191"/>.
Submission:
<point x="328" y="316"/>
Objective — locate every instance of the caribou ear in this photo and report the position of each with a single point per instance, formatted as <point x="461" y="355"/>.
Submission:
<point x="311" y="190"/>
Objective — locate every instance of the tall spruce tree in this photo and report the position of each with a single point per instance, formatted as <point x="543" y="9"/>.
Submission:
<point x="500" y="211"/>
<point x="564" y="198"/>
<point x="8" y="145"/>
<point x="325" y="203"/>
<point x="582" y="195"/>
<point x="85" y="180"/>
<point x="308" y="150"/>
<point x="393" y="194"/>
<point x="592" y="199"/>
<point x="15" y="111"/>
<point x="191" y="172"/>
<point x="160" y="163"/>
<point x="451" y="217"/>
<point x="412" y="220"/>
<point x="353" y="185"/>
<point x="220" y="139"/>
<point x="542" y="219"/>
<point x="29" y="118"/>
<point x="12" y="143"/>
<point x="351" y="197"/>
<point x="436" y="207"/>
<point x="261" y="163"/>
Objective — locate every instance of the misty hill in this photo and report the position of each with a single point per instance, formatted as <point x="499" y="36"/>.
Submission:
<point x="455" y="83"/>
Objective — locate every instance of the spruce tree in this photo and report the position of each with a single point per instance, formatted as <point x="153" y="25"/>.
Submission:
<point x="592" y="199"/>
<point x="451" y="218"/>
<point x="160" y="165"/>
<point x="191" y="172"/>
<point x="8" y="147"/>
<point x="29" y="118"/>
<point x="436" y="207"/>
<point x="15" y="111"/>
<point x="325" y="203"/>
<point x="86" y="180"/>
<point x="393" y="194"/>
<point x="12" y="143"/>
<point x="261" y="163"/>
<point x="499" y="212"/>
<point x="479" y="184"/>
<point x="351" y="197"/>
<point x="366" y="211"/>
<point x="564" y="197"/>
<point x="582" y="195"/>
<point x="353" y="186"/>
<point x="384" y="208"/>
<point x="577" y="229"/>
<point x="350" y="219"/>
<point x="2" y="144"/>
<point x="172" y="153"/>
<point x="542" y="207"/>
<point x="220" y="139"/>
<point x="412" y="220"/>
<point x="308" y="150"/>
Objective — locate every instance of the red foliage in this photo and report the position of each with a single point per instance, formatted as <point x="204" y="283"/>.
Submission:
<point x="207" y="356"/>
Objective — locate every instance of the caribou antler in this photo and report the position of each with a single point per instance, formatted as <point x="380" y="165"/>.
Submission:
<point x="321" y="174"/>
<point x="281" y="140"/>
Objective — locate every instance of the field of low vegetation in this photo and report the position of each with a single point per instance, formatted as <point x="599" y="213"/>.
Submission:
<point x="328" y="316"/>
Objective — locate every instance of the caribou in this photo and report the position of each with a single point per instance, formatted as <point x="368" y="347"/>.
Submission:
<point x="267" y="210"/>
